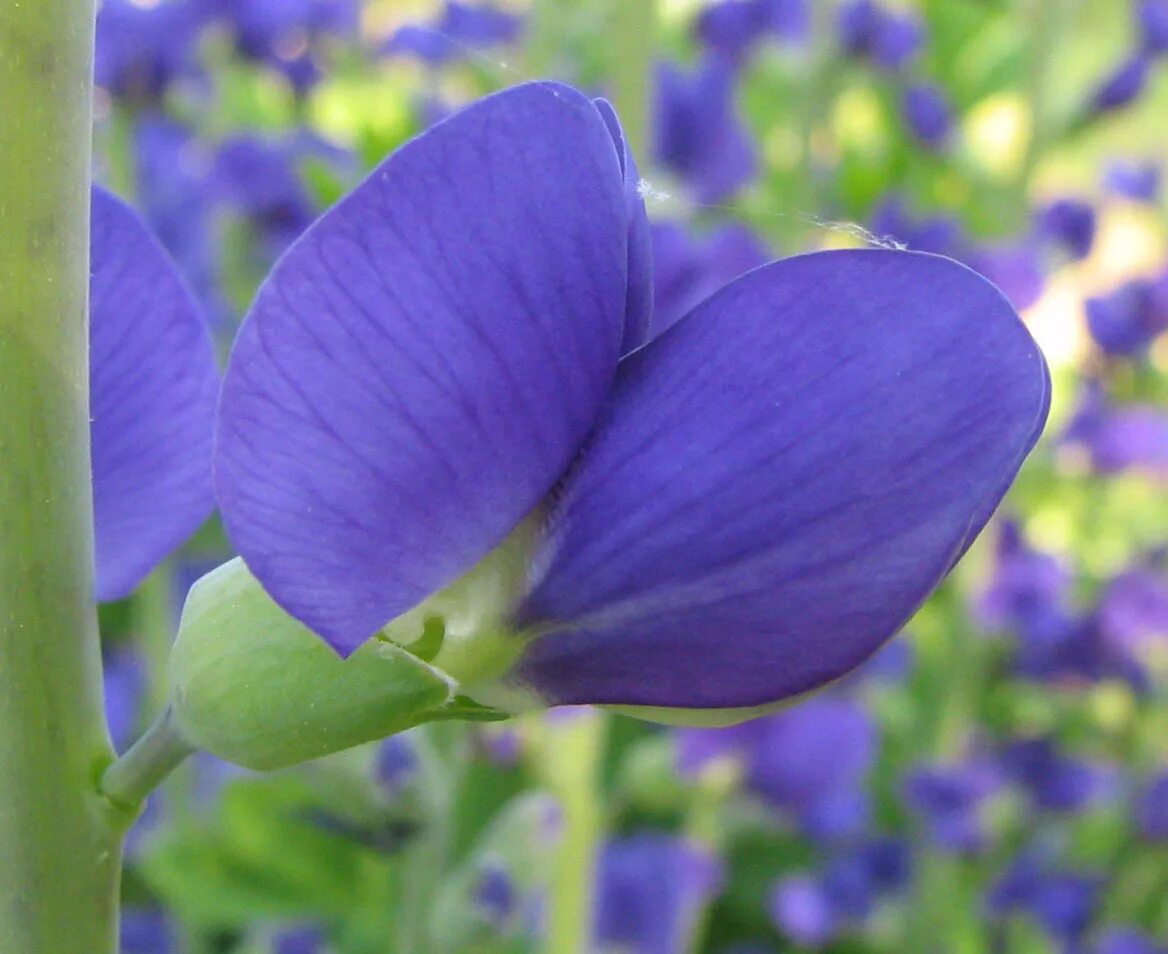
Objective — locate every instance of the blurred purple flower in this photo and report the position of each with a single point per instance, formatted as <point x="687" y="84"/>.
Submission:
<point x="460" y="28"/>
<point x="1151" y="811"/>
<point x="173" y="192"/>
<point x="941" y="234"/>
<point x="397" y="762"/>
<point x="813" y="761"/>
<point x="1152" y="16"/>
<point x="802" y="910"/>
<point x="1121" y="87"/>
<point x="949" y="800"/>
<point x="688" y="268"/>
<point x="124" y="680"/>
<point x="650" y="889"/>
<point x="1053" y="780"/>
<point x="697" y="748"/>
<point x="1070" y="224"/>
<point x="698" y="133"/>
<point x="301" y="939"/>
<point x="813" y="910"/>
<point x="259" y="179"/>
<point x="1135" y="180"/>
<point x="1013" y="266"/>
<point x="1025" y="586"/>
<point x="495" y="895"/>
<point x="1125" y="322"/>
<point x="897" y="40"/>
<point x="1063" y="903"/>
<point x="731" y="28"/>
<point x="147" y="931"/>
<point x="928" y="114"/>
<point x="857" y="22"/>
<point x="141" y="49"/>
<point x="480" y="290"/>
<point x="1133" y="611"/>
<point x="1122" y="940"/>
<point x="153" y="386"/>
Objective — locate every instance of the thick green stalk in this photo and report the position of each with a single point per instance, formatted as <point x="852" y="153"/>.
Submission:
<point x="59" y="839"/>
<point x="570" y="751"/>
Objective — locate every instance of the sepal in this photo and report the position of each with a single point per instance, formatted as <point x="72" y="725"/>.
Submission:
<point x="253" y="686"/>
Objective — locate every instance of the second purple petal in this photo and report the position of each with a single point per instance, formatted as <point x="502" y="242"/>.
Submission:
<point x="780" y="480"/>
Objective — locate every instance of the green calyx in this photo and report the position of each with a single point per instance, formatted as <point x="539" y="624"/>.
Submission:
<point x="252" y="685"/>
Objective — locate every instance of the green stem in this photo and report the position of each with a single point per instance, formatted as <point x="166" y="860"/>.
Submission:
<point x="60" y="841"/>
<point x="569" y="758"/>
<point x="430" y="852"/>
<point x="160" y="750"/>
<point x="1045" y="19"/>
<point x="818" y="89"/>
<point x="631" y="35"/>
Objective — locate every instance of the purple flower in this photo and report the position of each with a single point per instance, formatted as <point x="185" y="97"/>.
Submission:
<point x="813" y="761"/>
<point x="1125" y="322"/>
<point x="949" y="799"/>
<point x="1121" y="87"/>
<point x="269" y="30"/>
<point x="146" y="931"/>
<point x="397" y="762"/>
<point x="802" y="910"/>
<point x="775" y="483"/>
<point x="687" y="269"/>
<point x="1124" y="940"/>
<point x="896" y="41"/>
<point x="858" y="21"/>
<point x="1063" y="903"/>
<point x="650" y="889"/>
<point x="1070" y="224"/>
<point x="302" y="939"/>
<point x="172" y="189"/>
<point x="928" y="114"/>
<point x="1026" y="585"/>
<point x="123" y="680"/>
<point x="813" y="910"/>
<point x="1013" y="266"/>
<point x="1133" y="611"/>
<point x="1152" y="809"/>
<point x="1054" y="781"/>
<point x="942" y="234"/>
<point x="697" y="748"/>
<point x="1131" y="437"/>
<point x="461" y="27"/>
<point x="698" y="133"/>
<point x="1134" y="180"/>
<point x="142" y="48"/>
<point x="731" y="28"/>
<point x="1153" y="20"/>
<point x="259" y="179"/>
<point x="495" y="895"/>
<point x="153" y="386"/>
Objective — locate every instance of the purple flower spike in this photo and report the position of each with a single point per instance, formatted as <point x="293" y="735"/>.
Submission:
<point x="779" y="480"/>
<point x="153" y="385"/>
<point x="423" y="364"/>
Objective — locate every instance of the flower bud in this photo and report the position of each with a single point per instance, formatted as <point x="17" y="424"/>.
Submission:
<point x="252" y="685"/>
